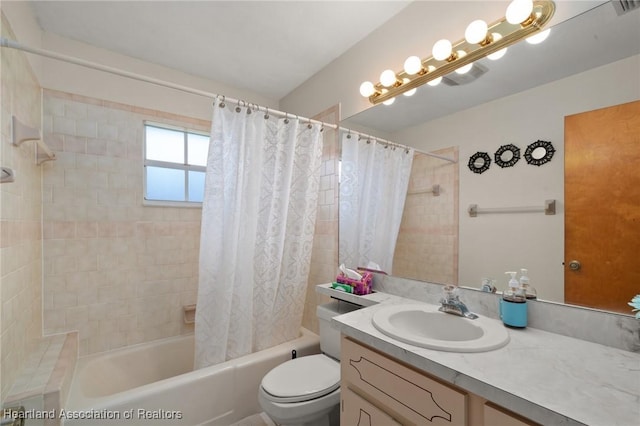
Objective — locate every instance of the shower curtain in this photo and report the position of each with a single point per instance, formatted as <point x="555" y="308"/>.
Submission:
<point x="373" y="187"/>
<point x="258" y="220"/>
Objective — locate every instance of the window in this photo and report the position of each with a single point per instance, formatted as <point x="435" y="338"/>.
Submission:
<point x="174" y="165"/>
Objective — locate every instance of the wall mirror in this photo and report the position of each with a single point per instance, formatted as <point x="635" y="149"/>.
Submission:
<point x="590" y="61"/>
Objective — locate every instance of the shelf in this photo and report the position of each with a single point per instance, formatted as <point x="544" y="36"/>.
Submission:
<point x="21" y="133"/>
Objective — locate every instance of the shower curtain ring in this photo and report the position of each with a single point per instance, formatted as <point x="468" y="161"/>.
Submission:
<point x="249" y="108"/>
<point x="309" y="125"/>
<point x="349" y="134"/>
<point x="321" y="126"/>
<point x="266" y="114"/>
<point x="238" y="109"/>
<point x="222" y="104"/>
<point x="286" y="118"/>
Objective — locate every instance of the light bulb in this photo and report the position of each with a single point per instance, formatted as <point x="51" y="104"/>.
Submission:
<point x="518" y="11"/>
<point x="412" y="65"/>
<point x="539" y="38"/>
<point x="476" y="32"/>
<point x="388" y="78"/>
<point x="436" y="81"/>
<point x="465" y="69"/>
<point x="500" y="53"/>
<point x="441" y="50"/>
<point x="389" y="101"/>
<point x="367" y="89"/>
<point x="408" y="92"/>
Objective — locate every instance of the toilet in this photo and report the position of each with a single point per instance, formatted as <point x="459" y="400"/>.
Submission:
<point x="305" y="391"/>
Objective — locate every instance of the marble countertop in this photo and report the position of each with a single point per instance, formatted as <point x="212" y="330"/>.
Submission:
<point x="546" y="377"/>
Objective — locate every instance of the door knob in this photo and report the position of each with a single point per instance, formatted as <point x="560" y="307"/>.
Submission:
<point x="575" y="265"/>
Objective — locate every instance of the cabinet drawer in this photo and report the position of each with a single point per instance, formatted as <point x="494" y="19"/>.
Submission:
<point x="494" y="415"/>
<point x="406" y="394"/>
<point x="356" y="411"/>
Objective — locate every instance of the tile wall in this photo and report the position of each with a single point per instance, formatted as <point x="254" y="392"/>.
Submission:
<point x="324" y="256"/>
<point x="115" y="270"/>
<point x="427" y="245"/>
<point x="20" y="225"/>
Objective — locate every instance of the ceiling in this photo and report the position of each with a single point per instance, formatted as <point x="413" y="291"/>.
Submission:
<point x="269" y="47"/>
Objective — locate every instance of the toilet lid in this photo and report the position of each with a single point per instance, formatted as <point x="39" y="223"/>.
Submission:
<point x="302" y="379"/>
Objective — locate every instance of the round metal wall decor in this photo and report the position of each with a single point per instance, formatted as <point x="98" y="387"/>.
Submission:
<point x="507" y="155"/>
<point x="479" y="162"/>
<point x="539" y="153"/>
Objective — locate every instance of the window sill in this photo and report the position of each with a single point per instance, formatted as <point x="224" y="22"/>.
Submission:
<point x="181" y="204"/>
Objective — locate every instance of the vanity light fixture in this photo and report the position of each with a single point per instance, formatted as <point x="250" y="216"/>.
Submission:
<point x="523" y="20"/>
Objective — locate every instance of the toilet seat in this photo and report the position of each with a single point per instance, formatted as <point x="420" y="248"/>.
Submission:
<point x="302" y="379"/>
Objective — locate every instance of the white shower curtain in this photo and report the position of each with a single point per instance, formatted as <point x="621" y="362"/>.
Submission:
<point x="373" y="187"/>
<point x="258" y="220"/>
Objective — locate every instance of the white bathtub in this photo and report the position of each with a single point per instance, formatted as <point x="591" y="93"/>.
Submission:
<point x="153" y="384"/>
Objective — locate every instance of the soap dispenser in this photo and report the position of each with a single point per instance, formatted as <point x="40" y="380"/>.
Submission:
<point x="513" y="305"/>
<point x="530" y="293"/>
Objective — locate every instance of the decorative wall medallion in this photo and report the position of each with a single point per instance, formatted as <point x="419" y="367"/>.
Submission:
<point x="479" y="162"/>
<point x="507" y="155"/>
<point x="539" y="153"/>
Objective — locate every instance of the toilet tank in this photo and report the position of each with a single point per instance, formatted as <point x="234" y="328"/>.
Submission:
<point x="329" y="336"/>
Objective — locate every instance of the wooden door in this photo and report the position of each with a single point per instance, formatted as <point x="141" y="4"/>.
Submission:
<point x="602" y="207"/>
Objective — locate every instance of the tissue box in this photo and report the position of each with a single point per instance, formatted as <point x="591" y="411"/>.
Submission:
<point x="360" y="287"/>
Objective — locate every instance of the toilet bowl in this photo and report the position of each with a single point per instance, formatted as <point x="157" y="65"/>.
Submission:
<point x="301" y="391"/>
<point x="306" y="391"/>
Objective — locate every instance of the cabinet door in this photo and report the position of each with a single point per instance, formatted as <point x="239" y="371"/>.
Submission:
<point x="356" y="411"/>
<point x="408" y="395"/>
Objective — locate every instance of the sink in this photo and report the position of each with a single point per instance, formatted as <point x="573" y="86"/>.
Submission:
<point x="423" y="325"/>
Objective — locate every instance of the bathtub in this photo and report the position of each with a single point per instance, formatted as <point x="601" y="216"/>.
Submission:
<point x="154" y="384"/>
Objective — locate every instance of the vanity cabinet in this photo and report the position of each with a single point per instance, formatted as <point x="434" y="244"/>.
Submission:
<point x="378" y="390"/>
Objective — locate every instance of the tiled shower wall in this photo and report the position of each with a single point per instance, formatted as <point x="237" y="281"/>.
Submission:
<point x="427" y="245"/>
<point x="115" y="270"/>
<point x="20" y="226"/>
<point x="324" y="256"/>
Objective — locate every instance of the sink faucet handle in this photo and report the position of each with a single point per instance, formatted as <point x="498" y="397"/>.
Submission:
<point x="450" y="292"/>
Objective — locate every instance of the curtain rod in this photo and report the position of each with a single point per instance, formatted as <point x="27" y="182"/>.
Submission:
<point x="12" y="44"/>
<point x="388" y="142"/>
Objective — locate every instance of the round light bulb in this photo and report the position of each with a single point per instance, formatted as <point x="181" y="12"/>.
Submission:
<point x="436" y="81"/>
<point x="539" y="38"/>
<point x="476" y="32"/>
<point x="500" y="53"/>
<point x="408" y="92"/>
<point x="441" y="50"/>
<point x="518" y="11"/>
<point x="412" y="65"/>
<point x="388" y="78"/>
<point x="389" y="101"/>
<point x="367" y="89"/>
<point x="465" y="69"/>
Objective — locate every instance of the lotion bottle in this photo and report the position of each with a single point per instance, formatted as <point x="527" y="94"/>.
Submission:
<point x="513" y="305"/>
<point x="529" y="292"/>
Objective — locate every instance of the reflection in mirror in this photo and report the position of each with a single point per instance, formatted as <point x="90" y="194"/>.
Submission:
<point x="427" y="244"/>
<point x="373" y="188"/>
<point x="588" y="62"/>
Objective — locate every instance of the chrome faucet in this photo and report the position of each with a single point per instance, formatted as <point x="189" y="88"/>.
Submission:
<point x="452" y="304"/>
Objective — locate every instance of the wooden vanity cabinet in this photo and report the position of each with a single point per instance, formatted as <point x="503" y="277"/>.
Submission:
<point x="377" y="390"/>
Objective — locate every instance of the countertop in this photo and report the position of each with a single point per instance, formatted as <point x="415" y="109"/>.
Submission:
<point x="546" y="377"/>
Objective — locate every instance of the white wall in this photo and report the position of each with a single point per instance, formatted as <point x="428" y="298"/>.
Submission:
<point x="70" y="78"/>
<point x="25" y="29"/>
<point x="493" y="244"/>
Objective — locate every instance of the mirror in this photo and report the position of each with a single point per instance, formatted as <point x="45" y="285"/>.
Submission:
<point x="588" y="62"/>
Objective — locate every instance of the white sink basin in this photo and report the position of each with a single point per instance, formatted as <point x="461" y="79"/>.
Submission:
<point x="423" y="325"/>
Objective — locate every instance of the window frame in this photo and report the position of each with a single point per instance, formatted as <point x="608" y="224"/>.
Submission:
<point x="186" y="168"/>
